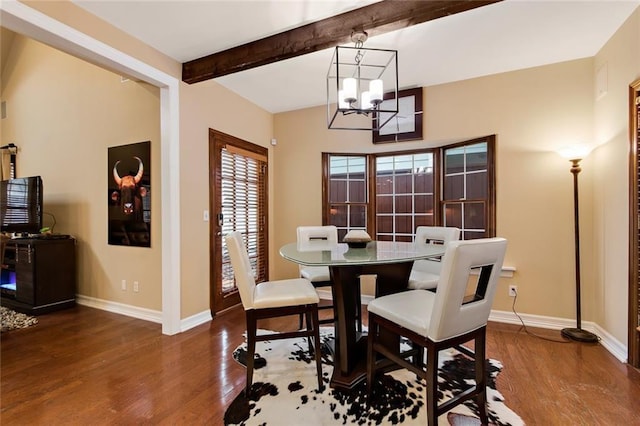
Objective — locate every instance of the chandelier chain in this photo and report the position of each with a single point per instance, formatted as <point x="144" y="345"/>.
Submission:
<point x="359" y="55"/>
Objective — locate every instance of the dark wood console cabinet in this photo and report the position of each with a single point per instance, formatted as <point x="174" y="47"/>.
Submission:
<point x="44" y="271"/>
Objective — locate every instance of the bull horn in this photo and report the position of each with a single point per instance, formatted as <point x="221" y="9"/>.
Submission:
<point x="140" y="170"/>
<point x="116" y="176"/>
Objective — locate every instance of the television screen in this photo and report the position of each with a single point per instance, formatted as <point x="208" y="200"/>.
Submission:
<point x="21" y="205"/>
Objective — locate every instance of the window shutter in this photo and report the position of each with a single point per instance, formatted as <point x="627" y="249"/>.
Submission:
<point x="243" y="187"/>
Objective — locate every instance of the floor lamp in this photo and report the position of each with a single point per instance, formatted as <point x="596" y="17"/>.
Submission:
<point x="577" y="333"/>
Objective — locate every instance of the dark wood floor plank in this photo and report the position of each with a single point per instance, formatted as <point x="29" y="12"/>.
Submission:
<point x="550" y="383"/>
<point x="86" y="366"/>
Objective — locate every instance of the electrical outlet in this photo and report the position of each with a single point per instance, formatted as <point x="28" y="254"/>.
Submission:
<point x="513" y="290"/>
<point x="124" y="285"/>
<point x="136" y="287"/>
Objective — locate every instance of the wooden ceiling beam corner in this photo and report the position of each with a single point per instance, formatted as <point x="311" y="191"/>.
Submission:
<point x="375" y="19"/>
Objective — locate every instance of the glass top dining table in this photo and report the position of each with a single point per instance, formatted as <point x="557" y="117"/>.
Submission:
<point x="390" y="262"/>
<point x="375" y="253"/>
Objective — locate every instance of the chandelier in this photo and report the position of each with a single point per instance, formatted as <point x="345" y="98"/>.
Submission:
<point x="362" y="86"/>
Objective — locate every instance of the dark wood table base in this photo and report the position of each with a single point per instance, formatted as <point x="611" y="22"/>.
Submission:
<point x="350" y="351"/>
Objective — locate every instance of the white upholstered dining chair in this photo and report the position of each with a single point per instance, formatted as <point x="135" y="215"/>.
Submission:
<point x="272" y="299"/>
<point x="426" y="272"/>
<point x="435" y="321"/>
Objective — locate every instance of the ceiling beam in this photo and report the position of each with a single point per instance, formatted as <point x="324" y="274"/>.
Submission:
<point x="377" y="18"/>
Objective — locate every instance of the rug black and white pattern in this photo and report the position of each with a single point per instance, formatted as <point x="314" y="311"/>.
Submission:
<point x="12" y="320"/>
<point x="284" y="391"/>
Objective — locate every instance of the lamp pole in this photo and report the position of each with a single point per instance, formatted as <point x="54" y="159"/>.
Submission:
<point x="577" y="333"/>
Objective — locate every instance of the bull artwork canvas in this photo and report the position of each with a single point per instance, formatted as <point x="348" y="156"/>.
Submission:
<point x="129" y="194"/>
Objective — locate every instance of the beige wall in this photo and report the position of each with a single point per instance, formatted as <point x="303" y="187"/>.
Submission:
<point x="63" y="113"/>
<point x="532" y="112"/>
<point x="620" y="57"/>
<point x="203" y="106"/>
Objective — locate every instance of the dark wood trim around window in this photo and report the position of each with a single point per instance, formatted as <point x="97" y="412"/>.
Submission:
<point x="371" y="195"/>
<point x="325" y="188"/>
<point x="438" y="159"/>
<point x="491" y="177"/>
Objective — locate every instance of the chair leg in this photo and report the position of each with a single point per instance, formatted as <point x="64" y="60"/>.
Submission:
<point x="359" y="312"/>
<point x="251" y="349"/>
<point x="309" y="321"/>
<point x="300" y="321"/>
<point x="418" y="358"/>
<point x="481" y="376"/>
<point x="432" y="387"/>
<point x="318" y="350"/>
<point x="371" y="357"/>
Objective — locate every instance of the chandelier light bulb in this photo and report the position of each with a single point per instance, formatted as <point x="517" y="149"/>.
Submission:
<point x="365" y="101"/>
<point x="375" y="91"/>
<point x="342" y="103"/>
<point x="350" y="89"/>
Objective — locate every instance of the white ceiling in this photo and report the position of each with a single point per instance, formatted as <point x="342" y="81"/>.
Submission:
<point x="506" y="36"/>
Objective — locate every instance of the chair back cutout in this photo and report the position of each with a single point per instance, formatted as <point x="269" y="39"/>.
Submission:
<point x="245" y="280"/>
<point x="313" y="238"/>
<point x="434" y="235"/>
<point x="454" y="312"/>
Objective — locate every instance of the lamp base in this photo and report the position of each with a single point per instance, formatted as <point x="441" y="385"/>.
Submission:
<point x="579" y="335"/>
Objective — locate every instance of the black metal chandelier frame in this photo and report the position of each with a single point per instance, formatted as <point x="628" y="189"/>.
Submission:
<point x="364" y="65"/>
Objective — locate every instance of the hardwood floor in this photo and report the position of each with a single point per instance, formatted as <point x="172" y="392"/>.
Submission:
<point x="86" y="366"/>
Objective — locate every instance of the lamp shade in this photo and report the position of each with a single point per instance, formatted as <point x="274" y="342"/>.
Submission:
<point x="350" y="88"/>
<point x="376" y="91"/>
<point x="365" y="100"/>
<point x="342" y="102"/>
<point x="575" y="152"/>
<point x="368" y="80"/>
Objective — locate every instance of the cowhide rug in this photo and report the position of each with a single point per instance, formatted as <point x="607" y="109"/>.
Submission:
<point x="284" y="391"/>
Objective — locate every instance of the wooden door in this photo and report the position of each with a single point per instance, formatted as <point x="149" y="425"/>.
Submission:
<point x="634" y="231"/>
<point x="238" y="202"/>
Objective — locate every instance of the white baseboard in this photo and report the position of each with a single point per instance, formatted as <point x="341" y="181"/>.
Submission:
<point x="120" y="308"/>
<point x="326" y="295"/>
<point x="141" y="313"/>
<point x="195" y="320"/>
<point x="610" y="343"/>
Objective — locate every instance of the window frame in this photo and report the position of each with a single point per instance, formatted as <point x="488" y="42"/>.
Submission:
<point x="326" y="203"/>
<point x="436" y="187"/>
<point x="438" y="184"/>
<point x="490" y="208"/>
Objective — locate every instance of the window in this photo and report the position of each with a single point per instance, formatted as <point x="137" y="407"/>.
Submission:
<point x="404" y="195"/>
<point x="453" y="185"/>
<point x="467" y="189"/>
<point x="346" y="192"/>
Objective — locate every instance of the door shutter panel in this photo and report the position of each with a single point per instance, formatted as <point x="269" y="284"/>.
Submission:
<point x="243" y="187"/>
